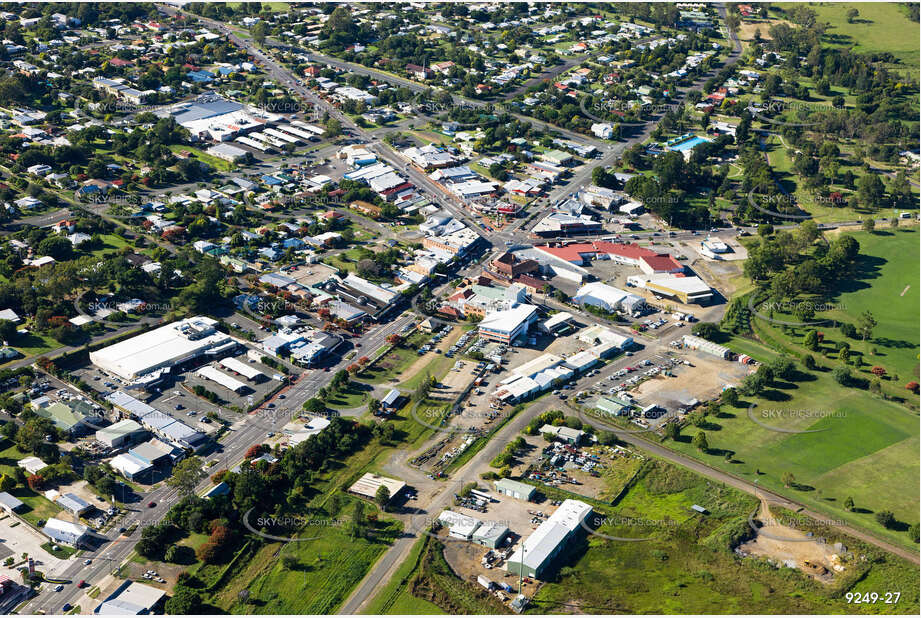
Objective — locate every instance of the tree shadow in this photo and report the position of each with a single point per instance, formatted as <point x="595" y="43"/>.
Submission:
<point x="775" y="395"/>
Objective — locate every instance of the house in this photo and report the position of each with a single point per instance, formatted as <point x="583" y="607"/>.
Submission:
<point x="9" y="503"/>
<point x="65" y="532"/>
<point x="9" y="314"/>
<point x="418" y="72"/>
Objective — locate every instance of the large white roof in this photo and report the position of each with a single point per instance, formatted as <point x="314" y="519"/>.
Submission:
<point x="509" y="319"/>
<point x="161" y="347"/>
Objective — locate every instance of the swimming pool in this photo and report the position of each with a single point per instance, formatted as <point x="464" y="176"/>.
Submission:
<point x="688" y="144"/>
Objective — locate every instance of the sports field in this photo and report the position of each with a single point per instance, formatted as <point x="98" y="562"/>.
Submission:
<point x="853" y="434"/>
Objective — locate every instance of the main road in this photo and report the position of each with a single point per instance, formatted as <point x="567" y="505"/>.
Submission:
<point x="116" y="548"/>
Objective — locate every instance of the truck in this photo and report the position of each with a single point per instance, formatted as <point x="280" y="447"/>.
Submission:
<point x="486" y="583"/>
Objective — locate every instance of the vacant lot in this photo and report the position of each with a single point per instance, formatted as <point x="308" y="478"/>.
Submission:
<point x="687" y="566"/>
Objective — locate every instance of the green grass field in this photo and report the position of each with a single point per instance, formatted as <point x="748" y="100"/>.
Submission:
<point x="686" y="566"/>
<point x="879" y="27"/>
<point x="861" y="433"/>
<point x="396" y="361"/>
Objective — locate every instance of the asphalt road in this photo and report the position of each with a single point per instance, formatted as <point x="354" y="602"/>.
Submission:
<point x="251" y="431"/>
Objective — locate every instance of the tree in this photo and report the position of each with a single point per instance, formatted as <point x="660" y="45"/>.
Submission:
<point x="382" y="496"/>
<point x="851" y="15"/>
<point x="57" y="247"/>
<point x="878" y="371"/>
<point x="315" y="406"/>
<point x="184" y="602"/>
<point x="289" y="562"/>
<point x="865" y="325"/>
<point x="809" y="362"/>
<point x="707" y="330"/>
<point x="186" y="475"/>
<point x="7" y="483"/>
<point x="730" y="397"/>
<point x="811" y="340"/>
<point x="788" y="479"/>
<point x="374" y="406"/>
<point x="7" y="330"/>
<point x="848" y="504"/>
<point x="868" y="224"/>
<point x="171" y="554"/>
<point x="914" y="532"/>
<point x="700" y="442"/>
<point x="886" y="519"/>
<point x="258" y="32"/>
<point x="912" y="386"/>
<point x="333" y="128"/>
<point x="841" y="375"/>
<point x="672" y="431"/>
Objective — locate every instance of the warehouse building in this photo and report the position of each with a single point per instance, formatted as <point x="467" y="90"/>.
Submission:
<point x="10" y="504"/>
<point x="604" y="340"/>
<point x="535" y="555"/>
<point x="163" y="348"/>
<point x="563" y="433"/>
<point x="608" y="298"/>
<point x="367" y="486"/>
<point x="490" y="534"/>
<point x="163" y="425"/>
<point x="156" y="452"/>
<point x="237" y="366"/>
<point x="120" y="434"/>
<point x="131" y="467"/>
<point x="515" y="489"/>
<point x="132" y="599"/>
<point x="685" y="289"/>
<point x="459" y="526"/>
<point x="73" y="503"/>
<point x="692" y="342"/>
<point x="613" y="406"/>
<point x="557" y="323"/>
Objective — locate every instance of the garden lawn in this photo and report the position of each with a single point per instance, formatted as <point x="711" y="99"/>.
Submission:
<point x="37" y="506"/>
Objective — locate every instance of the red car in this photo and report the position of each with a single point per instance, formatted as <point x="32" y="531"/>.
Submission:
<point x="150" y="505"/>
<point x="82" y="584"/>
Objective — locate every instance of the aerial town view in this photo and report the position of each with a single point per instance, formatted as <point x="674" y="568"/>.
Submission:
<point x="468" y="307"/>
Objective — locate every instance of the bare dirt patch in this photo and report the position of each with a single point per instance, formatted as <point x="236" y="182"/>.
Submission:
<point x="786" y="546"/>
